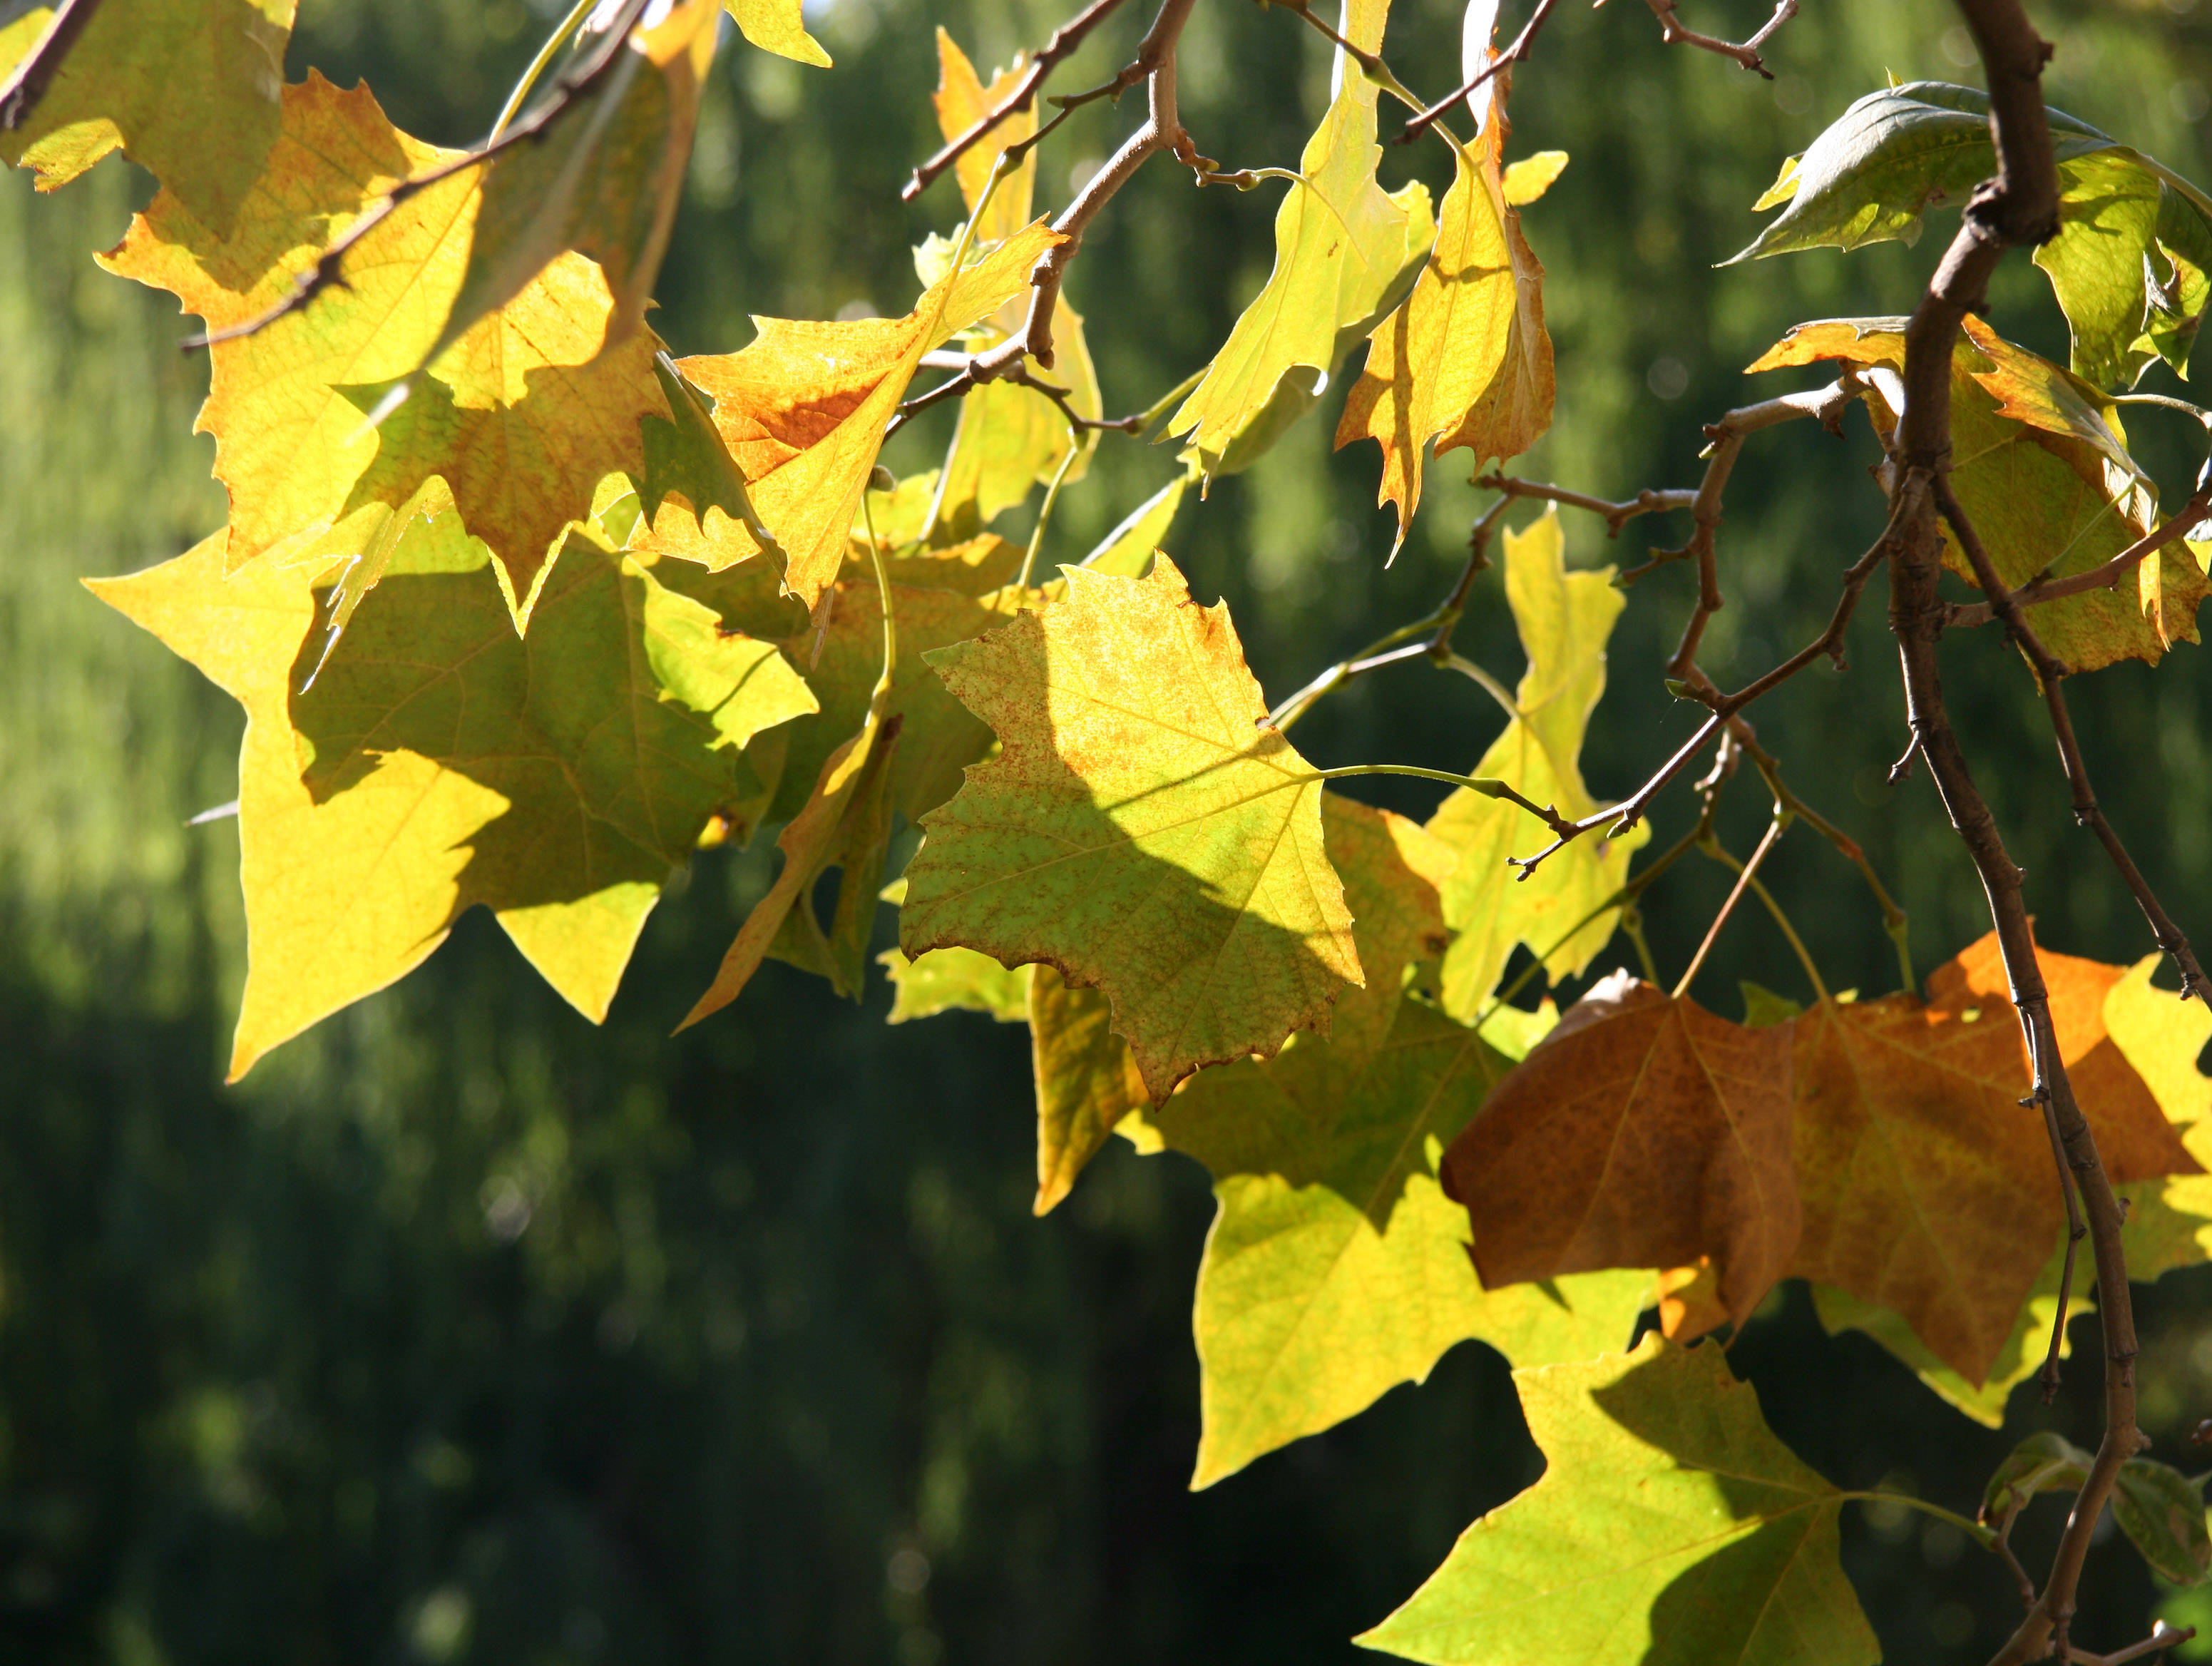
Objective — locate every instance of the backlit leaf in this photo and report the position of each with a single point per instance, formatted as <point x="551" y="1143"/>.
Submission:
<point x="1087" y="1080"/>
<point x="1670" y="1528"/>
<point x="2128" y="264"/>
<point x="778" y="27"/>
<point x="2040" y="462"/>
<point x="803" y="410"/>
<point x="1466" y="361"/>
<point x="962" y="100"/>
<point x="447" y="762"/>
<point x="1140" y="828"/>
<point x="1127" y="551"/>
<point x="955" y="980"/>
<point x="1914" y="1155"/>
<point x="1564" y="619"/>
<point x="2162" y="1512"/>
<point x="1345" y="252"/>
<point x="521" y="418"/>
<point x="1642" y="1132"/>
<point x="2169" y="1222"/>
<point x="189" y="89"/>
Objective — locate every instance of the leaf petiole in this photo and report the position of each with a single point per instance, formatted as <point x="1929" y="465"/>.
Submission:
<point x="561" y="34"/>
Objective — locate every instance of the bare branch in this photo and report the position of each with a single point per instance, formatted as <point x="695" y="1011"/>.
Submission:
<point x="2105" y="576"/>
<point x="1672" y="33"/>
<point x="1515" y="53"/>
<point x="1063" y="41"/>
<point x="2162" y="1636"/>
<point x="1617" y="516"/>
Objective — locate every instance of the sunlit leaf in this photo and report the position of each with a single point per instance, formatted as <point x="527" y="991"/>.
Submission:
<point x="1140" y="828"/>
<point x="779" y="27"/>
<point x="955" y="980"/>
<point x="2169" y="1222"/>
<point x="1564" y="619"/>
<point x="1127" y="551"/>
<point x="1087" y="1080"/>
<point x="962" y="100"/>
<point x="1670" y="1528"/>
<point x="447" y="762"/>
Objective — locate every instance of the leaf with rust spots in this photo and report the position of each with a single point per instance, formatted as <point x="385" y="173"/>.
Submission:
<point x="1670" y="1528"/>
<point x="1565" y="619"/>
<point x="521" y="418"/>
<point x="191" y="90"/>
<point x="1141" y="829"/>
<point x="803" y="410"/>
<point x="1466" y="361"/>
<point x="2039" y="461"/>
<point x="1914" y="1154"/>
<point x="1642" y="1132"/>
<point x="440" y="762"/>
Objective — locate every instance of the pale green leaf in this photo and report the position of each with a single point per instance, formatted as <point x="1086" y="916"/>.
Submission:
<point x="955" y="980"/>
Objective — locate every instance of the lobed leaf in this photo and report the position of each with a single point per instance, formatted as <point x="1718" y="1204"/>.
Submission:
<point x="1140" y="830"/>
<point x="1670" y="1528"/>
<point x="2169" y="1223"/>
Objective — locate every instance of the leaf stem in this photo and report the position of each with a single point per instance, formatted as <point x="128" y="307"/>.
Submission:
<point x="1489" y="787"/>
<point x="1984" y="1536"/>
<point x="882" y="690"/>
<point x="561" y="33"/>
<point x="1745" y="870"/>
<point x="1044" y="511"/>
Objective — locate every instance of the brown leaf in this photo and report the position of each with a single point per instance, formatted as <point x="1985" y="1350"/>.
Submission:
<point x="1642" y="1132"/>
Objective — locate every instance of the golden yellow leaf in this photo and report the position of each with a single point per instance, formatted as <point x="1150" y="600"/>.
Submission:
<point x="1087" y="1080"/>
<point x="779" y="27"/>
<point x="961" y="101"/>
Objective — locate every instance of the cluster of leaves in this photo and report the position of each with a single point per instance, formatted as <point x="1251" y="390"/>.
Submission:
<point x="523" y="612"/>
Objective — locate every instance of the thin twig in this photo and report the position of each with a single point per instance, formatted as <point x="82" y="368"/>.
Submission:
<point x="1742" y="883"/>
<point x="1063" y="41"/>
<point x="1617" y="516"/>
<point x="1515" y="53"/>
<point x="2105" y="576"/>
<point x="2162" y="1636"/>
<point x="26" y="83"/>
<point x="1745" y="52"/>
<point x="2003" y="1546"/>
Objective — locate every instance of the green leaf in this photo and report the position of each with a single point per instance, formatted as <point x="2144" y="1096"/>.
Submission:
<point x="1565" y="619"/>
<point x="1670" y="1528"/>
<point x="2130" y="260"/>
<point x="189" y="89"/>
<point x="1347" y="252"/>
<point x="1141" y="829"/>
<point x="955" y="980"/>
<point x="2162" y="1512"/>
<point x="2046" y="1462"/>
<point x="559" y="780"/>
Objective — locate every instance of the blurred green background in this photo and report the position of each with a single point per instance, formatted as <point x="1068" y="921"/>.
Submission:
<point x="462" y="1331"/>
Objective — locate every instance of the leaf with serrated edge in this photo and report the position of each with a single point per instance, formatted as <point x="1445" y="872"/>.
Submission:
<point x="1670" y="1528"/>
<point x="521" y="418"/>
<point x="1467" y="360"/>
<point x="189" y="89"/>
<point x="449" y="765"/>
<point x="1913" y="1152"/>
<point x="803" y="410"/>
<point x="2040" y="462"/>
<point x="1564" y="619"/>
<point x="1345" y="249"/>
<point x="1578" y="1160"/>
<point x="962" y="98"/>
<point x="1141" y="829"/>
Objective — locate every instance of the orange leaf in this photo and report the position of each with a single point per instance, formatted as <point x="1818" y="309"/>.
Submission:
<point x="1642" y="1132"/>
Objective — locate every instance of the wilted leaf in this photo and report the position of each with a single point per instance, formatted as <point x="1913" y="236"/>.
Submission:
<point x="955" y="980"/>
<point x="1564" y="619"/>
<point x="778" y="27"/>
<point x="1642" y="1132"/>
<point x="1345" y="252"/>
<point x="2162" y="1512"/>
<point x="521" y="418"/>
<point x="448" y="763"/>
<point x="2040" y="462"/>
<point x="1140" y="830"/>
<point x="1918" y="1166"/>
<point x="189" y="89"/>
<point x="1670" y="1528"/>
<point x="803" y="410"/>
<point x="2130" y="260"/>
<point x="1466" y="361"/>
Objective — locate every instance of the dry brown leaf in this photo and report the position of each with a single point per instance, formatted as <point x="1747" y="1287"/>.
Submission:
<point x="1642" y="1131"/>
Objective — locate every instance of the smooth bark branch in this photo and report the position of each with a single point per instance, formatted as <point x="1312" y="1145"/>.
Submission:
<point x="2019" y="207"/>
<point x="1744" y="52"/>
<point x="21" y="90"/>
<point x="1423" y="120"/>
<point x="1063" y="41"/>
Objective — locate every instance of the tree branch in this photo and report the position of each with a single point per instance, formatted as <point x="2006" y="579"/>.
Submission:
<point x="1515" y="53"/>
<point x="1672" y="33"/>
<point x="27" y="84"/>
<point x="2105" y="576"/>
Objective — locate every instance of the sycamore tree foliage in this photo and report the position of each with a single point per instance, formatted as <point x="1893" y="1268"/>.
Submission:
<point x="523" y="612"/>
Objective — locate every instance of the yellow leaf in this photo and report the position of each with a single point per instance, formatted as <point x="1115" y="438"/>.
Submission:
<point x="440" y="762"/>
<point x="1140" y="828"/>
<point x="521" y="418"/>
<point x="189" y="89"/>
<point x="961" y="101"/>
<point x="1467" y="358"/>
<point x="1087" y="1080"/>
<point x="1532" y="176"/>
<point x="779" y="27"/>
<point x="803" y="410"/>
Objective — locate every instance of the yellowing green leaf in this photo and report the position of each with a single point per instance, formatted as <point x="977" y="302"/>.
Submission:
<point x="1127" y="551"/>
<point x="778" y="27"/>
<point x="803" y="410"/>
<point x="2040" y="462"/>
<point x="1670" y="1528"/>
<point x="2162" y="1512"/>
<point x="448" y="763"/>
<point x="955" y="980"/>
<point x="521" y="418"/>
<point x="1345" y="251"/>
<point x="1565" y="619"/>
<point x="1010" y="439"/>
<point x="1087" y="1081"/>
<point x="189" y="89"/>
<point x="1466" y="361"/>
<point x="1140" y="828"/>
